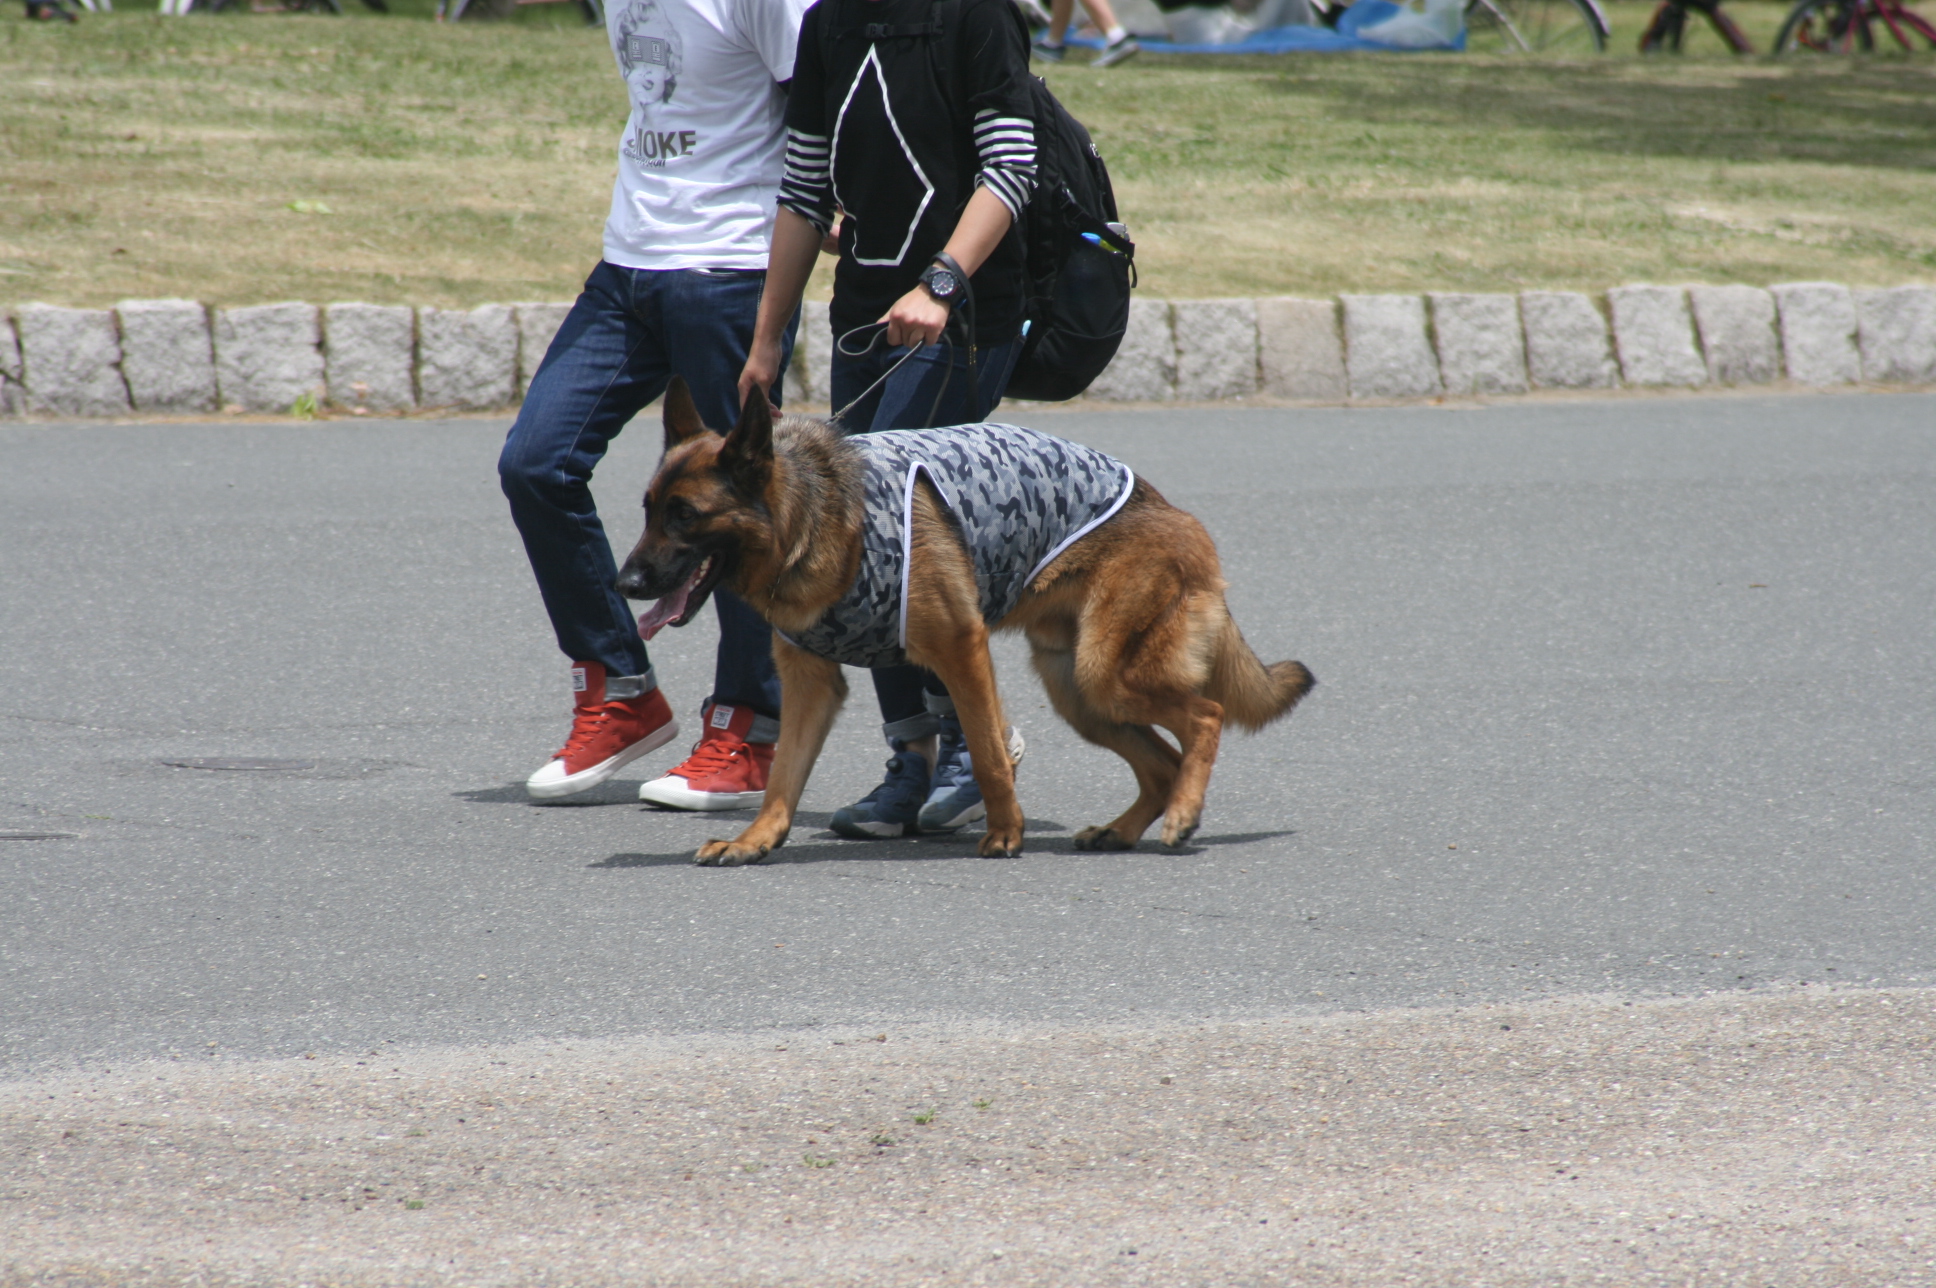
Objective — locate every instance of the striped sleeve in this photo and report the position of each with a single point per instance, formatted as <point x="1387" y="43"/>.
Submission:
<point x="807" y="188"/>
<point x="1006" y="145"/>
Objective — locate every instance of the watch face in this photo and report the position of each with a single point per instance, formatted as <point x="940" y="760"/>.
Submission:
<point x="944" y="284"/>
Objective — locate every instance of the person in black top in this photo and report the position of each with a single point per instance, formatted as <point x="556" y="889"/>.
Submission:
<point x="912" y="120"/>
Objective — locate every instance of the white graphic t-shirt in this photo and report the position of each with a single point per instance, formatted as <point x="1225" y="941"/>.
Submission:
<point x="699" y="166"/>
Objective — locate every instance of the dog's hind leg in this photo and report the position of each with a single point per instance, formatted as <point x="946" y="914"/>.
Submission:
<point x="1142" y="654"/>
<point x="1153" y="761"/>
<point x="1197" y="723"/>
<point x="811" y="691"/>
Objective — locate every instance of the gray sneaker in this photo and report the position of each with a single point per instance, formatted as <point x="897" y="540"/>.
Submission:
<point x="1046" y="52"/>
<point x="891" y="808"/>
<point x="1120" y="52"/>
<point x="955" y="799"/>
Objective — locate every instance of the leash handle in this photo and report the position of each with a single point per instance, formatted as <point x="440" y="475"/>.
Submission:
<point x="880" y="331"/>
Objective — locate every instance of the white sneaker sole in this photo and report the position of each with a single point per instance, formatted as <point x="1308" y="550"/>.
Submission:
<point x="547" y="789"/>
<point x="674" y="792"/>
<point x="973" y="814"/>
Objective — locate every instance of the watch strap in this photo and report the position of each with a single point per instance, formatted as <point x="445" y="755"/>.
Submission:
<point x="937" y="269"/>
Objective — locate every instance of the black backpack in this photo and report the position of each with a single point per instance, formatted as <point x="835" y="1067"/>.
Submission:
<point x="1080" y="262"/>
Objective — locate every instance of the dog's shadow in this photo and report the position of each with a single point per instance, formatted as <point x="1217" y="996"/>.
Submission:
<point x="812" y="825"/>
<point x="930" y="848"/>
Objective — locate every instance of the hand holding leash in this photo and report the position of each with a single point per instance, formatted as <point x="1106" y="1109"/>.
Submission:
<point x="917" y="319"/>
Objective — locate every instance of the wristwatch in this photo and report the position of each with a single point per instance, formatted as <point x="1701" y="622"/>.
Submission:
<point x="944" y="282"/>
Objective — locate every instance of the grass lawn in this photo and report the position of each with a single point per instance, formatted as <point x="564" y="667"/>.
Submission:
<point x="142" y="156"/>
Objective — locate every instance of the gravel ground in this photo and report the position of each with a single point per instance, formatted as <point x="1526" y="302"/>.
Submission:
<point x="1740" y="1139"/>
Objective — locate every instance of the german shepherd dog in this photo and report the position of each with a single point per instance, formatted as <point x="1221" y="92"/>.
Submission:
<point x="1128" y="625"/>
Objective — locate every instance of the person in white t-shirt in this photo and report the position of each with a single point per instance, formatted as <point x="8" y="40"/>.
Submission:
<point x="677" y="291"/>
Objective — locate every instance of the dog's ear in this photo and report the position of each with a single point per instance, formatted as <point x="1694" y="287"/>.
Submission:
<point x="747" y="454"/>
<point x="682" y="420"/>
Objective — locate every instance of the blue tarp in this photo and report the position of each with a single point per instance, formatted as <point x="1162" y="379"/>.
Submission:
<point x="1291" y="40"/>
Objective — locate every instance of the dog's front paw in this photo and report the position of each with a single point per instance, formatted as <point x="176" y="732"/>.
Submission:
<point x="1102" y="838"/>
<point x="729" y="854"/>
<point x="1000" y="843"/>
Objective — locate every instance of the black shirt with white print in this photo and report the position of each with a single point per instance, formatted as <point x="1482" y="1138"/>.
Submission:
<point x="871" y="132"/>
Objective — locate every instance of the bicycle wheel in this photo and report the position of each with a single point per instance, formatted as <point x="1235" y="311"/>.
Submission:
<point x="1535" y="27"/>
<point x="1904" y="24"/>
<point x="1826" y="27"/>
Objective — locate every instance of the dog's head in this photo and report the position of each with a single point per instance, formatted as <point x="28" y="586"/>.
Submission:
<point x="705" y="509"/>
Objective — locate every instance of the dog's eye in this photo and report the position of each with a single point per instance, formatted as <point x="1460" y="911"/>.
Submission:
<point x="680" y="512"/>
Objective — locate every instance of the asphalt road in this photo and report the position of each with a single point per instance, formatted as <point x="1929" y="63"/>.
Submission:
<point x="1630" y="696"/>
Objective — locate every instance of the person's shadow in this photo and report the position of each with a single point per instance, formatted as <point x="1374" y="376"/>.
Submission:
<point x="610" y="792"/>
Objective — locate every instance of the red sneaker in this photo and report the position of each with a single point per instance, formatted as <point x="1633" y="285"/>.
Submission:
<point x="605" y="735"/>
<point x="725" y="771"/>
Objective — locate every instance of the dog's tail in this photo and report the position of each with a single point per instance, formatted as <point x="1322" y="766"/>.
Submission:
<point x="1253" y="694"/>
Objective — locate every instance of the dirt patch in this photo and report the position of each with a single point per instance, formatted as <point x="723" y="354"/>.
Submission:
<point x="1767" y="1139"/>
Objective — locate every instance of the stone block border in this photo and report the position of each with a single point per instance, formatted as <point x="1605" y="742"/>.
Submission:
<point x="183" y="357"/>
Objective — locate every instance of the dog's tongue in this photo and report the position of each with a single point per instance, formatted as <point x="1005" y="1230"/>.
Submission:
<point x="668" y="609"/>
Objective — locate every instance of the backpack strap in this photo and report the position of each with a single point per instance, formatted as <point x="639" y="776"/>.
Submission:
<point x="840" y="24"/>
<point x="903" y="30"/>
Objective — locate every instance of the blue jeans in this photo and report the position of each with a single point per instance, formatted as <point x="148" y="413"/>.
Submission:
<point x="907" y="400"/>
<point x="630" y="331"/>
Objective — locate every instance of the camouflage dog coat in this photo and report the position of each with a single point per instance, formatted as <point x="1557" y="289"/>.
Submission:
<point x="1018" y="499"/>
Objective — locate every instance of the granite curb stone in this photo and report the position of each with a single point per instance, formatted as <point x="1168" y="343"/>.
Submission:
<point x="163" y="356"/>
<point x="1654" y="335"/>
<point x="468" y="358"/>
<point x="1818" y="332"/>
<point x="268" y="355"/>
<point x="13" y="399"/>
<point x="1145" y="366"/>
<point x="1300" y="351"/>
<point x="1898" y="334"/>
<point x="1481" y="350"/>
<point x="1566" y="341"/>
<point x="1216" y="348"/>
<point x="367" y="354"/>
<point x="538" y="324"/>
<point x="813" y="354"/>
<point x="70" y="361"/>
<point x="166" y="355"/>
<point x="1387" y="353"/>
<point x="1737" y="333"/>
